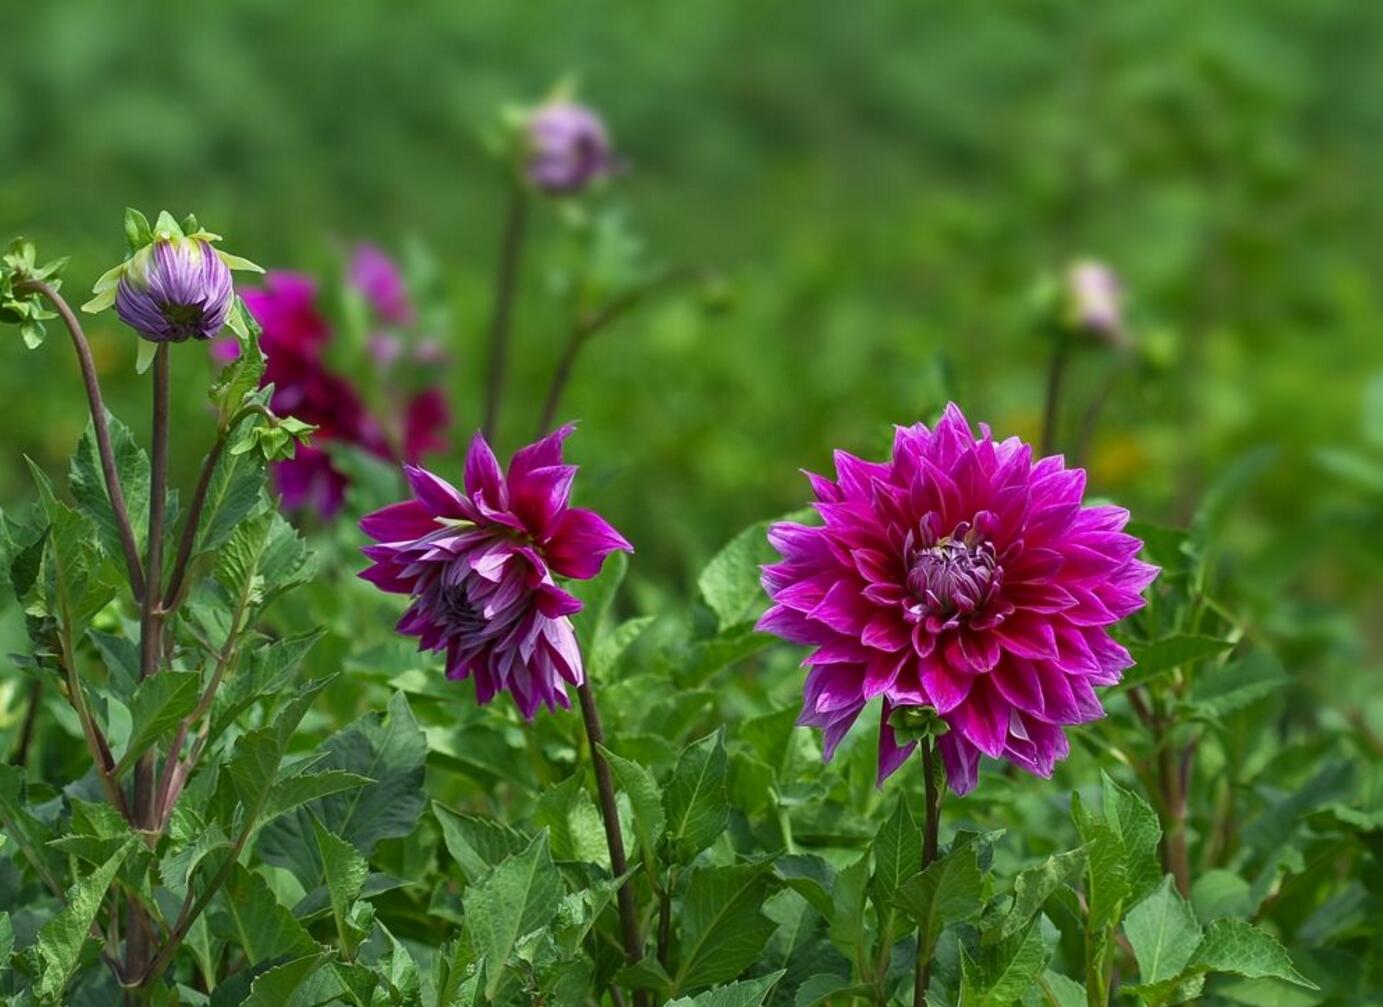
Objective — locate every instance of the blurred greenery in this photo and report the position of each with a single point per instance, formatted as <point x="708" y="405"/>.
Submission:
<point x="881" y="184"/>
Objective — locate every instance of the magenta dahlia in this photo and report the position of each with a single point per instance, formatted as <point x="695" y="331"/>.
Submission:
<point x="961" y="576"/>
<point x="480" y="568"/>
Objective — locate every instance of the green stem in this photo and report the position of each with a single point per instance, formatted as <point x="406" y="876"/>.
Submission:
<point x="931" y="825"/>
<point x="506" y="285"/>
<point x="1051" y="417"/>
<point x="609" y="813"/>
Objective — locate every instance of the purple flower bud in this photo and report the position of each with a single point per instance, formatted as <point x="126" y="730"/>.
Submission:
<point x="175" y="289"/>
<point x="569" y="148"/>
<point x="1095" y="301"/>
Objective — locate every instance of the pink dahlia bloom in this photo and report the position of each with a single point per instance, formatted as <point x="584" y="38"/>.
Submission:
<point x="481" y="564"/>
<point x="963" y="576"/>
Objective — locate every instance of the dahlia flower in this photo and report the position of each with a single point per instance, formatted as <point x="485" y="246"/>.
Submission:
<point x="480" y="566"/>
<point x="960" y="576"/>
<point x="568" y="146"/>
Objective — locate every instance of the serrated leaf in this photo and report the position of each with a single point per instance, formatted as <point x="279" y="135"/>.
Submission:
<point x="160" y="703"/>
<point x="390" y="749"/>
<point x="695" y="803"/>
<point x="810" y="876"/>
<point x="950" y="890"/>
<point x="645" y="800"/>
<point x="295" y="791"/>
<point x="1239" y="948"/>
<point x="345" y="871"/>
<point x="1160" y="656"/>
<point x="1139" y="831"/>
<point x="730" y="581"/>
<point x="477" y="844"/>
<point x="518" y="897"/>
<point x="232" y="495"/>
<point x="824" y="989"/>
<point x="1240" y="684"/>
<point x="897" y="852"/>
<point x="747" y="993"/>
<point x="1035" y="885"/>
<point x="575" y="830"/>
<point x="848" y="926"/>
<point x="275" y="987"/>
<point x="60" y="940"/>
<point x="1163" y="932"/>
<point x="1006" y="970"/>
<point x="88" y="485"/>
<point x="257" y="922"/>
<point x="723" y="926"/>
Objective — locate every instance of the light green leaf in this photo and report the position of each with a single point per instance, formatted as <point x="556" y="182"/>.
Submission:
<point x="1006" y="971"/>
<point x="849" y="923"/>
<point x="1242" y="949"/>
<point x="1035" y="885"/>
<point x="88" y="485"/>
<point x="477" y="844"/>
<point x="951" y="890"/>
<point x="1160" y="656"/>
<point x="345" y="872"/>
<point x="60" y="940"/>
<point x="275" y="987"/>
<point x="723" y="925"/>
<point x="730" y="581"/>
<point x="519" y="897"/>
<point x="160" y="703"/>
<point x="645" y="800"/>
<point x="695" y="801"/>
<point x="1061" y="991"/>
<point x="897" y="852"/>
<point x="748" y="993"/>
<point x="1222" y="691"/>
<point x="575" y="830"/>
<point x="256" y="921"/>
<point x="1139" y="832"/>
<point x="1163" y="931"/>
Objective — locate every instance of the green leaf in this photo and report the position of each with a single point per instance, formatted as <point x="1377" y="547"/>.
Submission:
<point x="1160" y="656"/>
<point x="645" y="800"/>
<point x="1035" y="885"/>
<point x="1163" y="931"/>
<point x="160" y="703"/>
<point x="60" y="940"/>
<point x="826" y="988"/>
<point x="257" y="922"/>
<point x="477" y="844"/>
<point x="345" y="871"/>
<point x="137" y="230"/>
<point x="1061" y="991"/>
<point x="1005" y="972"/>
<point x="275" y="987"/>
<point x="575" y="830"/>
<point x="645" y="974"/>
<point x="88" y="485"/>
<point x="1242" y="683"/>
<point x="28" y="832"/>
<point x="1219" y="893"/>
<point x="810" y="876"/>
<point x="294" y="791"/>
<point x="849" y="924"/>
<point x="723" y="926"/>
<point x="695" y="802"/>
<point x="748" y="993"/>
<point x="730" y="581"/>
<point x="232" y="495"/>
<point x="897" y="852"/>
<point x="390" y="750"/>
<point x="1242" y="949"/>
<point x="950" y="890"/>
<point x="520" y="896"/>
<point x="1139" y="832"/>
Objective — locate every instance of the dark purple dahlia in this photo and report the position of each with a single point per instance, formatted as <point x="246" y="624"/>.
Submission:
<point x="175" y="289"/>
<point x="962" y="576"/>
<point x="568" y="147"/>
<point x="480" y="568"/>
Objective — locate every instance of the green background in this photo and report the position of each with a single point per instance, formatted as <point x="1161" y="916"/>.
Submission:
<point x="881" y="184"/>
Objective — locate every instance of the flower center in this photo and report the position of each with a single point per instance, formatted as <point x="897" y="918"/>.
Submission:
<point x="462" y="616"/>
<point x="953" y="577"/>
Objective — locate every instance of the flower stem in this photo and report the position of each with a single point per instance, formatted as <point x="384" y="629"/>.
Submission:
<point x="101" y="426"/>
<point x="506" y="284"/>
<point x="587" y="325"/>
<point x="1051" y="417"/>
<point x="1091" y="420"/>
<point x="931" y="825"/>
<point x="137" y="945"/>
<point x="609" y="813"/>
